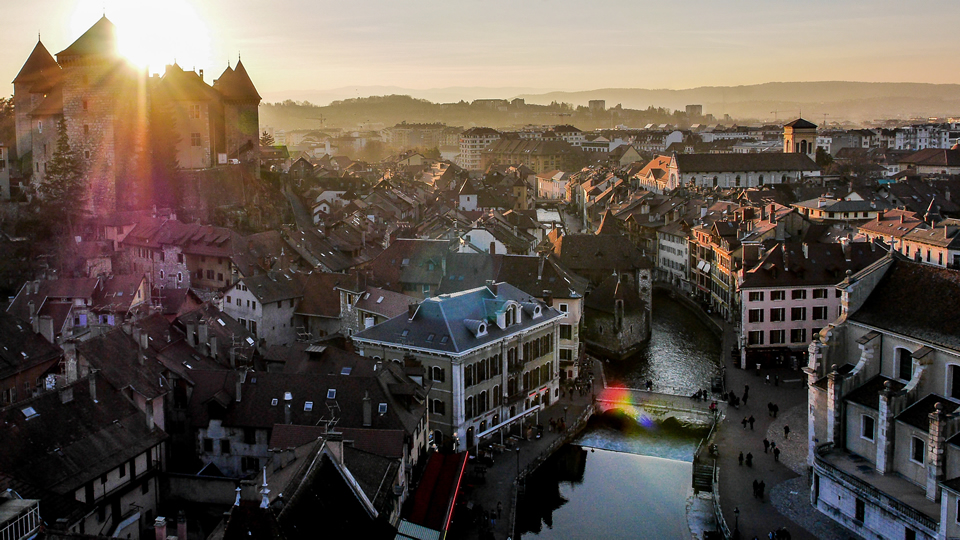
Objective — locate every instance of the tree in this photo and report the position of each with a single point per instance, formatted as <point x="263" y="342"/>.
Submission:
<point x="62" y="189"/>
<point x="823" y="158"/>
<point x="266" y="139"/>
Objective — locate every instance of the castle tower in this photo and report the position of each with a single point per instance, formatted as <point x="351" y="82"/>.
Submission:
<point x="99" y="98"/>
<point x="520" y="195"/>
<point x="800" y="137"/>
<point x="241" y="117"/>
<point x="39" y="74"/>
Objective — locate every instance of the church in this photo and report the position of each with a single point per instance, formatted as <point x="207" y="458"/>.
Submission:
<point x="124" y="125"/>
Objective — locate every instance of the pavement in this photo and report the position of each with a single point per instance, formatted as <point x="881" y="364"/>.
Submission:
<point x="497" y="484"/>
<point x="786" y="499"/>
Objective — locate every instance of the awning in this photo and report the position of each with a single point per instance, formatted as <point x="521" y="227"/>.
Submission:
<point x="700" y="265"/>
<point x="706" y="268"/>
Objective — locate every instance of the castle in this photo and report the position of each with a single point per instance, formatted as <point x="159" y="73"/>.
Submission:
<point x="118" y="119"/>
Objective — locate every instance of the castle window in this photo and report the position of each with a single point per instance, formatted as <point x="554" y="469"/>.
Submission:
<point x="84" y="104"/>
<point x="86" y="129"/>
<point x="195" y="110"/>
<point x="194" y="139"/>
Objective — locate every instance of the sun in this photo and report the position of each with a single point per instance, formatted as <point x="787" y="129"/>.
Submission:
<point x="153" y="33"/>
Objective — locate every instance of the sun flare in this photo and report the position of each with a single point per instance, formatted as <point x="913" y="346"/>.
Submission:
<point x="152" y="33"/>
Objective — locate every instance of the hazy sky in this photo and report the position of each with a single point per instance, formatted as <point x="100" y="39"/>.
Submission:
<point x="294" y="46"/>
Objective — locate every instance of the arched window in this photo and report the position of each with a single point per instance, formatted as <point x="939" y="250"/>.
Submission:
<point x="904" y="364"/>
<point x="760" y="180"/>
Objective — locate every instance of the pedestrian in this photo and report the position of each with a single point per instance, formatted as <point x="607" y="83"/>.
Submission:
<point x="776" y="454"/>
<point x="756" y="488"/>
<point x="745" y="398"/>
<point x="744" y="422"/>
<point x="776" y="380"/>
<point x="746" y="390"/>
<point x="766" y="445"/>
<point x="776" y="409"/>
<point x="760" y="488"/>
<point x="740" y="459"/>
<point x="499" y="509"/>
<point x="769" y="408"/>
<point x="751" y="420"/>
<point x="773" y="445"/>
<point x="649" y="385"/>
<point x="758" y="370"/>
<point x="749" y="459"/>
<point x="767" y="379"/>
<point x="786" y="431"/>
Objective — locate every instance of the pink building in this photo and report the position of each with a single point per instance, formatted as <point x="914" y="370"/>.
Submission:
<point x="790" y="294"/>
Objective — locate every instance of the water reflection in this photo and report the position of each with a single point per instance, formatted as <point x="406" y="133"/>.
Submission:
<point x="682" y="356"/>
<point x="601" y="488"/>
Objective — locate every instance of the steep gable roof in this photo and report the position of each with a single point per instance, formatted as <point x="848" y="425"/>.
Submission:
<point x="39" y="63"/>
<point x="99" y="40"/>
<point x="235" y="84"/>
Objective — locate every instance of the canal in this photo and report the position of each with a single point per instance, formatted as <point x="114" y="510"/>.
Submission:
<point x="626" y="477"/>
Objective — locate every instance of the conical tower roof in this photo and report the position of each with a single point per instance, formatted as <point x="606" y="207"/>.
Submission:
<point x="236" y="85"/>
<point x="40" y="61"/>
<point x="99" y="40"/>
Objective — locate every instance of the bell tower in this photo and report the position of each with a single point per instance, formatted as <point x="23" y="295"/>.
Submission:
<point x="800" y="137"/>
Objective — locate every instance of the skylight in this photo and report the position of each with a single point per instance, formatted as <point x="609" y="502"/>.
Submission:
<point x="379" y="299"/>
<point x="430" y="338"/>
<point x="273" y="402"/>
<point x="346" y="370"/>
<point x="382" y="409"/>
<point x="307" y="406"/>
<point x="444" y="339"/>
<point x="30" y="412"/>
<point x="332" y="393"/>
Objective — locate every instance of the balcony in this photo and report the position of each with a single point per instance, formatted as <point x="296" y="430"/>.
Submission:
<point x="860" y="476"/>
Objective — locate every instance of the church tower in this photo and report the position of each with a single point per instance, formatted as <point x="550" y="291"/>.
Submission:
<point x="800" y="137"/>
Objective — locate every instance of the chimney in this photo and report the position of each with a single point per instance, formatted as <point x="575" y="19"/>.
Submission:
<point x="70" y="359"/>
<point x="201" y="78"/>
<point x="287" y="402"/>
<point x="144" y="340"/>
<point x="160" y="526"/>
<point x="367" y="410"/>
<point x="33" y="317"/>
<point x="203" y="334"/>
<point x="901" y="218"/>
<point x="213" y="347"/>
<point x="46" y="327"/>
<point x="411" y="311"/>
<point x="241" y="378"/>
<point x="233" y="357"/>
<point x="92" y="377"/>
<point x="36" y="287"/>
<point x="548" y="297"/>
<point x="806" y="250"/>
<point x="181" y="515"/>
<point x="880" y="215"/>
<point x="192" y="334"/>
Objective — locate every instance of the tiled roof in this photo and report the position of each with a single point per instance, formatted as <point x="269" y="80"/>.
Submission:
<point x="39" y="64"/>
<point x="21" y="347"/>
<point x="934" y="157"/>
<point x="697" y="163"/>
<point x="786" y="265"/>
<point x="604" y="297"/>
<point x="69" y="444"/>
<point x="800" y="123"/>
<point x="320" y="295"/>
<point x="915" y="299"/>
<point x="99" y="40"/>
<point x="235" y="84"/>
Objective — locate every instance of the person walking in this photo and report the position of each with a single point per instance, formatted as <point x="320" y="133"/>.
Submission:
<point x="740" y="459"/>
<point x="786" y="431"/>
<point x="499" y="509"/>
<point x="776" y="409"/>
<point x="776" y="454"/>
<point x="749" y="459"/>
<point x="751" y="420"/>
<point x="770" y="408"/>
<point x="756" y="488"/>
<point x="744" y="422"/>
<point x="766" y="445"/>
<point x="760" y="487"/>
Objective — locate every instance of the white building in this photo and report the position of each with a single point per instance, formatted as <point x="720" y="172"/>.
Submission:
<point x="884" y="391"/>
<point x="491" y="354"/>
<point x="472" y="143"/>
<point x="265" y="305"/>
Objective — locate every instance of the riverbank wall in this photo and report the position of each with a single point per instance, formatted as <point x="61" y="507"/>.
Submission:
<point x="695" y="309"/>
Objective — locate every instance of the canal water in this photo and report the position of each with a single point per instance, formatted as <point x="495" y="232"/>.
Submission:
<point x="626" y="477"/>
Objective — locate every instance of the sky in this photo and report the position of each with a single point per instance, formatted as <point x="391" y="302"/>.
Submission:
<point x="293" y="48"/>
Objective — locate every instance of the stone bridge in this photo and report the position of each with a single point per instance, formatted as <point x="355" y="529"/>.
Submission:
<point x="640" y="403"/>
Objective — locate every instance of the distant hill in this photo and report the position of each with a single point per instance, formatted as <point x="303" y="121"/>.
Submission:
<point x="841" y="101"/>
<point x="855" y="101"/>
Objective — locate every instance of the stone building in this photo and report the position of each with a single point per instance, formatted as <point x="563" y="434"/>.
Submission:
<point x="884" y="392"/>
<point x="618" y="319"/>
<point x="102" y="100"/>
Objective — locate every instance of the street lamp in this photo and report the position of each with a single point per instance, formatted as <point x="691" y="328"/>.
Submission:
<point x="565" y="407"/>
<point x="518" y="464"/>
